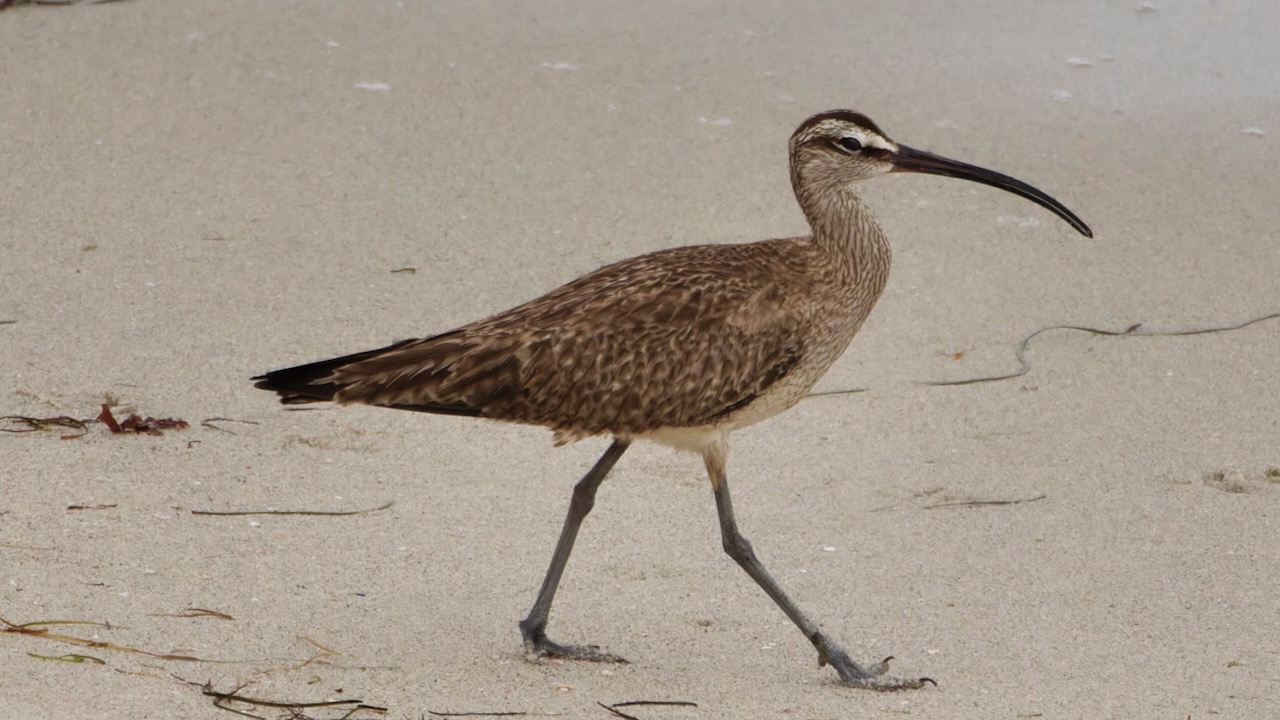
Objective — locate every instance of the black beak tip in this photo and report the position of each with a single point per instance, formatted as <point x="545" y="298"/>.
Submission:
<point x="909" y="159"/>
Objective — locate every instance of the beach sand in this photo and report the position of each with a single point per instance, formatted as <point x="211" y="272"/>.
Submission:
<point x="193" y="193"/>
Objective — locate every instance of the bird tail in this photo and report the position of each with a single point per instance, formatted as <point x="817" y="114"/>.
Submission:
<point x="313" y="382"/>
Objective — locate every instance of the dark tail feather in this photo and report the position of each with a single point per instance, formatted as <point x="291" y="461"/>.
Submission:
<point x="300" y="384"/>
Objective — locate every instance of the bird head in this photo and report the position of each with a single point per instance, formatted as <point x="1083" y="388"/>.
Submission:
<point x="833" y="150"/>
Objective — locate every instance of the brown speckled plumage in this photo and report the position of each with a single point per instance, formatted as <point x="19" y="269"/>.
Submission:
<point x="679" y="346"/>
<point x="678" y="338"/>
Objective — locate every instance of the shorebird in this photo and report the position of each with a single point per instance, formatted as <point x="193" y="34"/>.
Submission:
<point x="680" y="346"/>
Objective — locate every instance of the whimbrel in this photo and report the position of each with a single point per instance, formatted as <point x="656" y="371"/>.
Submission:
<point x="679" y="346"/>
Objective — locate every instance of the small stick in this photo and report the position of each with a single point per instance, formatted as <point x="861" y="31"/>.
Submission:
<point x="209" y="423"/>
<point x="292" y="512"/>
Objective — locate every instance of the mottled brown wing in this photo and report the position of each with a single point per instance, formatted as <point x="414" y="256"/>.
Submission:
<point x="671" y="339"/>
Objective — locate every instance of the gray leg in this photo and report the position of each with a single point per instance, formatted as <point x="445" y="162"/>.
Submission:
<point x="534" y="627"/>
<point x="829" y="652"/>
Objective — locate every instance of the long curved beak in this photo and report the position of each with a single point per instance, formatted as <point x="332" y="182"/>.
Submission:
<point x="909" y="159"/>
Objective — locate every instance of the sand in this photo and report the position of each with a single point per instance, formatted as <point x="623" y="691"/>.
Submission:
<point x="195" y="192"/>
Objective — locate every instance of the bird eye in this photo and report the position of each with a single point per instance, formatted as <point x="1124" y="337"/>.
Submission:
<point x="849" y="143"/>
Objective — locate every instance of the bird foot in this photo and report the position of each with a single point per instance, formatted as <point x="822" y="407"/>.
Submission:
<point x="538" y="646"/>
<point x="868" y="678"/>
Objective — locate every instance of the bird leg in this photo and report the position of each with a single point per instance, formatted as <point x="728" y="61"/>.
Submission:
<point x="534" y="627"/>
<point x="829" y="651"/>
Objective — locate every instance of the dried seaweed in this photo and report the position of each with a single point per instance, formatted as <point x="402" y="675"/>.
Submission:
<point x="71" y="658"/>
<point x="195" y="612"/>
<point x="40" y="629"/>
<point x="24" y="424"/>
<point x="132" y="424"/>
<point x="981" y="503"/>
<point x="135" y="423"/>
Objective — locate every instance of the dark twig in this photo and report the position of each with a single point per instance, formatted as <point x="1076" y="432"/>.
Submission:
<point x="637" y="703"/>
<point x="13" y="3"/>
<point x="670" y="703"/>
<point x="1024" y="366"/>
<point x="221" y="700"/>
<point x="617" y="712"/>
<point x="829" y="393"/>
<point x="234" y="695"/>
<point x="496" y="714"/>
<point x="292" y="512"/>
